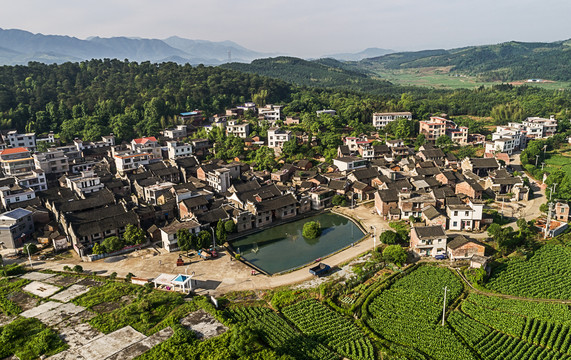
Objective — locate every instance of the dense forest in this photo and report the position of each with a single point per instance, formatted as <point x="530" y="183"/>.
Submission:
<point x="96" y="97"/>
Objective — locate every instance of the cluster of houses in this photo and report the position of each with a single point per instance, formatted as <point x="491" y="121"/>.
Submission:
<point x="515" y="136"/>
<point x="85" y="192"/>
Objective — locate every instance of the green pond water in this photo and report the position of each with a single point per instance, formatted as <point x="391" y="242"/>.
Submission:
<point x="283" y="247"/>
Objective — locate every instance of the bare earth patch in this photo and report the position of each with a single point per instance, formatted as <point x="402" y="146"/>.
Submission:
<point x="63" y="281"/>
<point x="90" y="282"/>
<point x="203" y="324"/>
<point x="23" y="300"/>
<point x="5" y="319"/>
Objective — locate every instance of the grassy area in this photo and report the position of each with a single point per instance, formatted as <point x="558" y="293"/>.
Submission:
<point x="560" y="159"/>
<point x="442" y="78"/>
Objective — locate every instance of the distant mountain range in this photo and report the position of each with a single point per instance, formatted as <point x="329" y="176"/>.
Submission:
<point x="20" y="47"/>
<point x="367" y="53"/>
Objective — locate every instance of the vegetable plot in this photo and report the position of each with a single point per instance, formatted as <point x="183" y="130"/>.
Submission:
<point x="328" y="327"/>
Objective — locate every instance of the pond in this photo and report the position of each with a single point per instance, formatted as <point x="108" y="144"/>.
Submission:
<point x="283" y="247"/>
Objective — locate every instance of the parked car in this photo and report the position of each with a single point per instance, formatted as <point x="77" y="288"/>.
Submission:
<point x="441" y="257"/>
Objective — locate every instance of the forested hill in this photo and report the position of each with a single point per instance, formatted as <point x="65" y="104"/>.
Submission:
<point x="92" y="98"/>
<point x="505" y="62"/>
<point x="325" y="73"/>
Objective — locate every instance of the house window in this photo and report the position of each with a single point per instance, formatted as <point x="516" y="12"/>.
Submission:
<point x="455" y="213"/>
<point x="466" y="213"/>
<point x="455" y="223"/>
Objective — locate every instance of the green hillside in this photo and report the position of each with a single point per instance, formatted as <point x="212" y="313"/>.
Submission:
<point x="501" y="62"/>
<point x="324" y="73"/>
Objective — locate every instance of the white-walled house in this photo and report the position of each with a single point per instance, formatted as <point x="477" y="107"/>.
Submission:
<point x="168" y="233"/>
<point x="380" y="120"/>
<point x="465" y="216"/>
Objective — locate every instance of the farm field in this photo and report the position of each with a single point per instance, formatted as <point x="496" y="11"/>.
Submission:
<point x="396" y="317"/>
<point x="560" y="159"/>
<point x="440" y="77"/>
<point x="545" y="275"/>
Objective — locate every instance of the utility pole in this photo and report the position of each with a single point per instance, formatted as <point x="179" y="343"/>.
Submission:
<point x="542" y="164"/>
<point x="552" y="191"/>
<point x="444" y="305"/>
<point x="536" y="158"/>
<point x="548" y="222"/>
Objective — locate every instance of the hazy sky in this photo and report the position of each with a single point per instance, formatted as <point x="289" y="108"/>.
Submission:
<point x="304" y="28"/>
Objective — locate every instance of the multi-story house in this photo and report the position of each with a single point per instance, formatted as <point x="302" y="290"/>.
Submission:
<point x="128" y="161"/>
<point x="428" y="240"/>
<point x="169" y="233"/>
<point x="21" y="140"/>
<point x="412" y="203"/>
<point x="277" y="137"/>
<point x="561" y="212"/>
<point x="271" y="113"/>
<point x="176" y="133"/>
<point x="465" y="216"/>
<point x="433" y="128"/>
<point x="54" y="161"/>
<point x="501" y="145"/>
<point x="148" y="145"/>
<point x="16" y="161"/>
<point x="15" y="227"/>
<point x="380" y="120"/>
<point x="12" y="194"/>
<point x="177" y="150"/>
<point x="241" y="130"/>
<point x="350" y="163"/>
<point x="548" y="126"/>
<point x="219" y="179"/>
<point x="437" y="127"/>
<point x="87" y="182"/>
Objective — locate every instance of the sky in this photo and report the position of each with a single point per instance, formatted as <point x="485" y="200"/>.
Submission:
<point x="303" y="28"/>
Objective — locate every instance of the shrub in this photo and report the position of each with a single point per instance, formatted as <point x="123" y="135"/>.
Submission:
<point x="395" y="254"/>
<point x="113" y="276"/>
<point x="31" y="248"/>
<point x="78" y="269"/>
<point x="389" y="237"/>
<point x="230" y="226"/>
<point x="129" y="277"/>
<point x="311" y="230"/>
<point x="339" y="200"/>
<point x="112" y="244"/>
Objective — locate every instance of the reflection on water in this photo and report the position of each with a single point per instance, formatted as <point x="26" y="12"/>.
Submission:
<point x="283" y="247"/>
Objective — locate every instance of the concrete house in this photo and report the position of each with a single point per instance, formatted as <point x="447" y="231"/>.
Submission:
<point x="428" y="240"/>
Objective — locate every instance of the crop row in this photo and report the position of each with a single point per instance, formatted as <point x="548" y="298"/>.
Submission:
<point x="408" y="313"/>
<point x="328" y="327"/>
<point x="498" y="346"/>
<point x="504" y="322"/>
<point x="547" y="274"/>
<point x="277" y="333"/>
<point x="537" y="310"/>
<point x="469" y="329"/>
<point x="548" y="334"/>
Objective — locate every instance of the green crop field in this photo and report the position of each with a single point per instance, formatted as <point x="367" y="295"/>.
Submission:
<point x="441" y="78"/>
<point x="408" y="313"/>
<point x="547" y="274"/>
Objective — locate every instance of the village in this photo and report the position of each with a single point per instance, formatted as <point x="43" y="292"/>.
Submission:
<point x="78" y="195"/>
